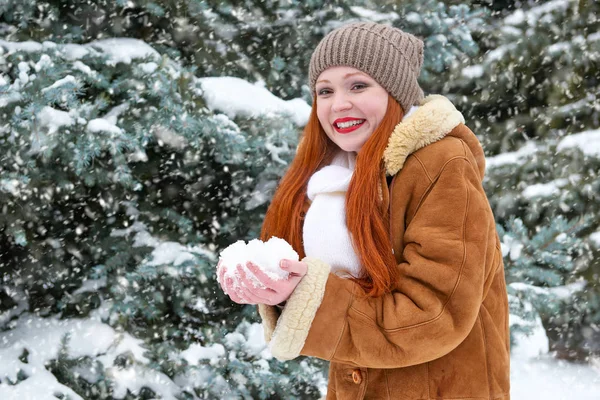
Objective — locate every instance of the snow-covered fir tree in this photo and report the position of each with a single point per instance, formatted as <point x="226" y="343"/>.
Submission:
<point x="119" y="186"/>
<point x="532" y="96"/>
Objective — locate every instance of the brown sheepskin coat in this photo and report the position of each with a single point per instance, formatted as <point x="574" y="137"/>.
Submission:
<point x="442" y="333"/>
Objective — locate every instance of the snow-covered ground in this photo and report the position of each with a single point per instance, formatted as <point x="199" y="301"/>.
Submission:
<point x="535" y="374"/>
<point x="43" y="339"/>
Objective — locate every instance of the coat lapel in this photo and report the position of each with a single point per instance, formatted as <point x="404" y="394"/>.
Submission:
<point x="434" y="119"/>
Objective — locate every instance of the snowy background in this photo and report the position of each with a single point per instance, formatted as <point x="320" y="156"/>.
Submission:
<point x="138" y="139"/>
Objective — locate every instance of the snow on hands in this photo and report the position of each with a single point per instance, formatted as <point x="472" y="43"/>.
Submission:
<point x="265" y="255"/>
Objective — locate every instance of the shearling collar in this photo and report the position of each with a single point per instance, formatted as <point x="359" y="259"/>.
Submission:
<point x="434" y="119"/>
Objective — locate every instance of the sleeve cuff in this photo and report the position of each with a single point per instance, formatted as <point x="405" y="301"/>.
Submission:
<point x="288" y="333"/>
<point x="269" y="316"/>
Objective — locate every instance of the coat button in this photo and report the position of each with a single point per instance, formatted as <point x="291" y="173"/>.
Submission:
<point x="356" y="376"/>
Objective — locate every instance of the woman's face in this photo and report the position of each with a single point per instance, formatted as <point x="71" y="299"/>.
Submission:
<point x="350" y="106"/>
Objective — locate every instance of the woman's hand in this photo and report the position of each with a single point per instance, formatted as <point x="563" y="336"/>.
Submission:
<point x="229" y="286"/>
<point x="275" y="291"/>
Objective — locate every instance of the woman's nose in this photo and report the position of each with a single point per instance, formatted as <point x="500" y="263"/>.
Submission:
<point x="341" y="103"/>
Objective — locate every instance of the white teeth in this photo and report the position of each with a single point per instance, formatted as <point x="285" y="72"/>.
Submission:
<point x="349" y="123"/>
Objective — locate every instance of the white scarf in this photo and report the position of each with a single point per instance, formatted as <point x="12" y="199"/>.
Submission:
<point x="325" y="234"/>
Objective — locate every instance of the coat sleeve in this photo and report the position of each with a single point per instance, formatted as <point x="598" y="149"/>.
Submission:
<point x="433" y="306"/>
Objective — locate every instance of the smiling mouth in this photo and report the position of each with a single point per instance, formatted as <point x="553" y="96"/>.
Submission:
<point x="348" y="126"/>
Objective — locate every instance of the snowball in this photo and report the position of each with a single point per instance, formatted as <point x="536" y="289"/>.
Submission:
<point x="266" y="255"/>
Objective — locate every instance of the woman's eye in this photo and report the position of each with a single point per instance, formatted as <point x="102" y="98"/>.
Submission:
<point x="323" y="92"/>
<point x="359" y="86"/>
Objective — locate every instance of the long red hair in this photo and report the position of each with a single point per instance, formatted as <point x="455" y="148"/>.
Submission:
<point x="366" y="217"/>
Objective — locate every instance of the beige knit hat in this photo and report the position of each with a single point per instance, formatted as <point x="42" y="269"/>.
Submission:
<point x="390" y="56"/>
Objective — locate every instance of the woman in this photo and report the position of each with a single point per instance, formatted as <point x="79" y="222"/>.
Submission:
<point x="401" y="284"/>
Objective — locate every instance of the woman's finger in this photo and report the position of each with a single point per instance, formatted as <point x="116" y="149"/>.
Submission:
<point x="244" y="278"/>
<point x="293" y="280"/>
<point x="222" y="270"/>
<point x="261" y="276"/>
<point x="228" y="287"/>
<point x="236" y="296"/>
<point x="251" y="297"/>
<point x="264" y="294"/>
<point x="293" y="267"/>
<point x="233" y="291"/>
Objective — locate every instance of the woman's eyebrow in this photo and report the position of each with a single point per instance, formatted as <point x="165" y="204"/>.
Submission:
<point x="354" y="73"/>
<point x="345" y="76"/>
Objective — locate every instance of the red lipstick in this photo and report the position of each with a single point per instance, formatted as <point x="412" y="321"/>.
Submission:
<point x="350" y="128"/>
